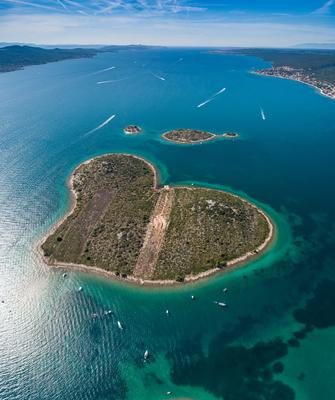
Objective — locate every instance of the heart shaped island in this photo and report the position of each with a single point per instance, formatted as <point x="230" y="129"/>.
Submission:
<point x="122" y="223"/>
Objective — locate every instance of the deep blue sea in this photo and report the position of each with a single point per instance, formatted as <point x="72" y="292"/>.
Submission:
<point x="258" y="348"/>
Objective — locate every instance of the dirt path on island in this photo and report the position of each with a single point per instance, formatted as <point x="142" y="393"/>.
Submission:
<point x="154" y="237"/>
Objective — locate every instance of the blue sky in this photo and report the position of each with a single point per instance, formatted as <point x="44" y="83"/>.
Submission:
<point x="169" y="22"/>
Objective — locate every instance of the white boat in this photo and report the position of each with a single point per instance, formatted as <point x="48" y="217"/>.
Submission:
<point x="193" y="297"/>
<point x="146" y="354"/>
<point x="80" y="289"/>
<point x="220" y="91"/>
<point x="263" y="115"/>
<point x="167" y="312"/>
<point x="220" y="304"/>
<point x="225" y="290"/>
<point x="119" y="325"/>
<point x="64" y="275"/>
<point x="158" y="77"/>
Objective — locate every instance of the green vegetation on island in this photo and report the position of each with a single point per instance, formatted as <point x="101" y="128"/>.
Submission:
<point x="122" y="222"/>
<point x="207" y="229"/>
<point x="114" y="202"/>
<point x="188" y="136"/>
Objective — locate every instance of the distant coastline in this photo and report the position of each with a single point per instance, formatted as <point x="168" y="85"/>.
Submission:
<point x="13" y="58"/>
<point x="311" y="67"/>
<point x="16" y="57"/>
<point x="285" y="72"/>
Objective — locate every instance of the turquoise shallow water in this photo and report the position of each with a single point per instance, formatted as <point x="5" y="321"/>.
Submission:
<point x="51" y="348"/>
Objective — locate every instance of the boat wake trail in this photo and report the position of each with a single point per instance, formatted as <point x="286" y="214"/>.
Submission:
<point x="103" y="70"/>
<point x="157" y="76"/>
<point x="263" y="115"/>
<point x="211" y="98"/>
<point x="101" y="125"/>
<point x="104" y="82"/>
<point x="112" y="81"/>
<point x="220" y="91"/>
<point x="205" y="102"/>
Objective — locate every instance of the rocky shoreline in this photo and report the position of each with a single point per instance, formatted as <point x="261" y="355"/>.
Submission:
<point x="195" y="136"/>
<point x="142" y="280"/>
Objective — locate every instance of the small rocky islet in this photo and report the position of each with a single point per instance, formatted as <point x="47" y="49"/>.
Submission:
<point x="132" y="129"/>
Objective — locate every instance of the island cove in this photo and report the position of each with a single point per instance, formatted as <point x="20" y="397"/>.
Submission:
<point x="190" y="136"/>
<point x="123" y="224"/>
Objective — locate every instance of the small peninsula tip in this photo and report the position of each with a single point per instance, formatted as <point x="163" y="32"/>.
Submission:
<point x="123" y="224"/>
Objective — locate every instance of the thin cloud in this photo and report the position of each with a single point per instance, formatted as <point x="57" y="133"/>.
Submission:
<point x="97" y="7"/>
<point x="65" y="28"/>
<point x="188" y="9"/>
<point x="62" y="5"/>
<point x="110" y="6"/>
<point x="325" y="9"/>
<point x="29" y="4"/>
<point x="73" y="3"/>
<point x="76" y="7"/>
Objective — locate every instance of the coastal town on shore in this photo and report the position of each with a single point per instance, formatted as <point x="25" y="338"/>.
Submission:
<point x="301" y="75"/>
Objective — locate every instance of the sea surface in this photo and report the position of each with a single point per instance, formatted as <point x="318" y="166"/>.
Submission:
<point x="259" y="347"/>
